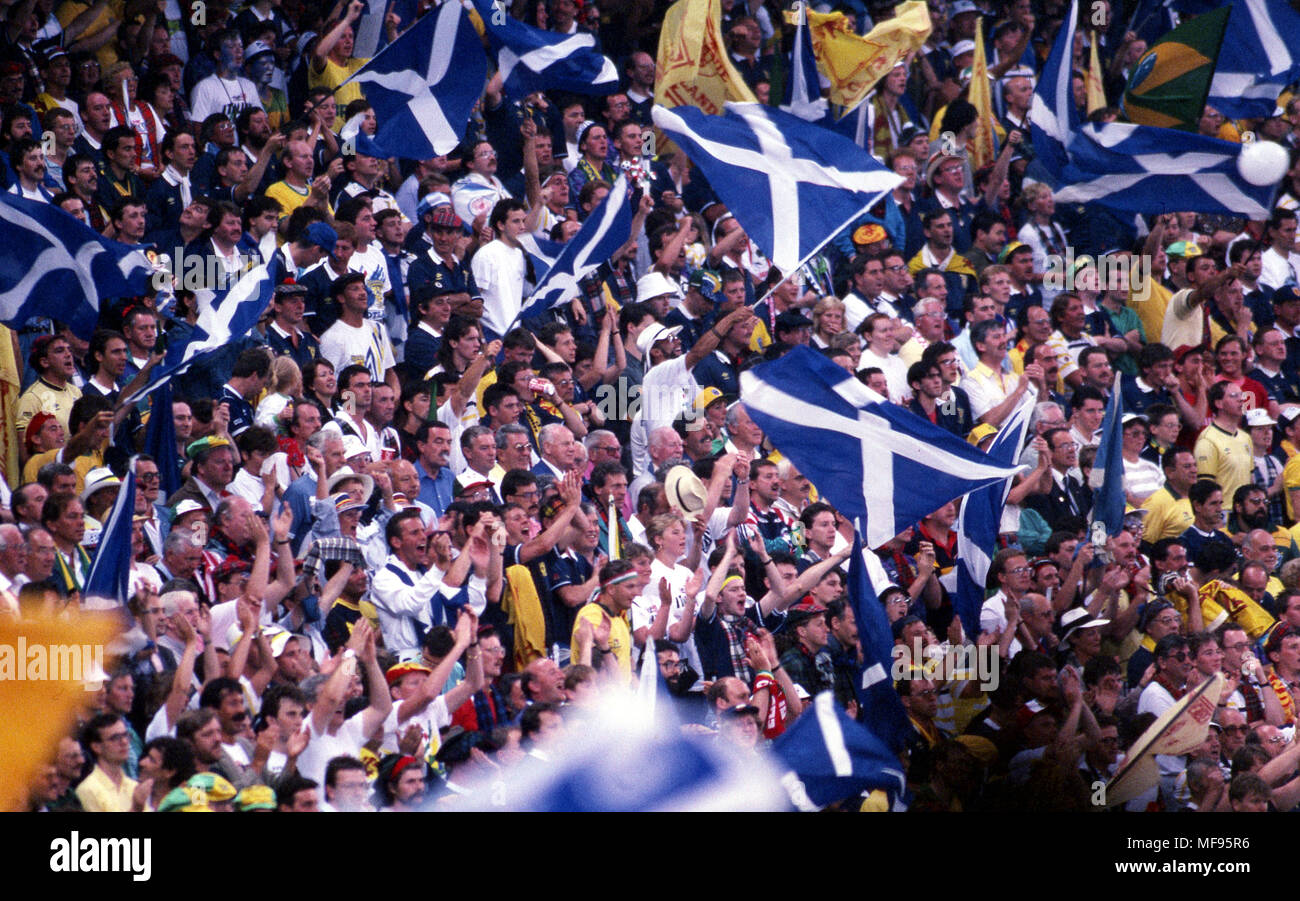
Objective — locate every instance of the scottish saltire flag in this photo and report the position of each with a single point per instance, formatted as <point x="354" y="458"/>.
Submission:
<point x="530" y="59"/>
<point x="160" y="441"/>
<point x="51" y="264"/>
<point x="1259" y="58"/>
<point x="1133" y="168"/>
<point x="879" y="706"/>
<point x="828" y="757"/>
<point x="606" y="230"/>
<point x="369" y="35"/>
<point x="803" y="87"/>
<point x="791" y="184"/>
<point x="110" y="571"/>
<point x="979" y="522"/>
<point x="870" y="459"/>
<point x="222" y="318"/>
<point x="541" y="252"/>
<point x="422" y="101"/>
<point x="1107" y="476"/>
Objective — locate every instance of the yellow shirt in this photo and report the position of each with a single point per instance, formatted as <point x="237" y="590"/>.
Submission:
<point x="620" y="636"/>
<point x="110" y="16"/>
<point x="98" y="794"/>
<point x="334" y="75"/>
<point x="42" y="396"/>
<point x="1228" y="458"/>
<point x="1291" y="482"/>
<point x="1151" y="309"/>
<point x="287" y="196"/>
<point x="1168" y="515"/>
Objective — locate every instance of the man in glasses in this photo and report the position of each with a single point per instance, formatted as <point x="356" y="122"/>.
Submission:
<point x="1011" y="573"/>
<point x="1173" y="662"/>
<point x="108" y="787"/>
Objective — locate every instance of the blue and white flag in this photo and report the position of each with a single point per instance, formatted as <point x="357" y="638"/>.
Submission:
<point x="832" y="758"/>
<point x="1133" y="168"/>
<point x="222" y="318"/>
<point x="803" y="87"/>
<point x="879" y="706"/>
<point x="541" y="252"/>
<point x="1107" y="475"/>
<point x="980" y="519"/>
<point x="471" y="198"/>
<point x="606" y="230"/>
<point x="110" y="571"/>
<point x="791" y="184"/>
<point x="369" y="35"/>
<point x="1256" y="61"/>
<point x="421" y="102"/>
<point x="51" y="264"/>
<point x="530" y="59"/>
<point x="869" y="459"/>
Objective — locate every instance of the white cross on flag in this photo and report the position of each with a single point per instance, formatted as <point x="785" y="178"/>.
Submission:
<point x="792" y="185"/>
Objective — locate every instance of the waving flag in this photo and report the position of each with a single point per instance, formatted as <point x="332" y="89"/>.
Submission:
<point x="1107" y="476"/>
<point x="110" y="571"/>
<point x="1257" y="60"/>
<point x="421" y="102"/>
<point x="980" y="521"/>
<point x="530" y="59"/>
<point x="221" y="319"/>
<point x="471" y="199"/>
<point x="870" y="459"/>
<point x="879" y="705"/>
<point x="803" y="87"/>
<point x="854" y="62"/>
<point x="160" y="441"/>
<point x="832" y="758"/>
<point x="606" y="230"/>
<point x="1133" y="168"/>
<point x="51" y="264"/>
<point x="983" y="147"/>
<point x="693" y="67"/>
<point x="791" y="184"/>
<point x="1169" y="84"/>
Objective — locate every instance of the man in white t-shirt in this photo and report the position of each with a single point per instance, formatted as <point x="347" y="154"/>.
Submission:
<point x="354" y="338"/>
<point x="500" y="269"/>
<point x="224" y="91"/>
<point x="332" y="735"/>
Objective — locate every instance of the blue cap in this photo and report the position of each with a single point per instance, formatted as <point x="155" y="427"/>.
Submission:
<point x="322" y="235"/>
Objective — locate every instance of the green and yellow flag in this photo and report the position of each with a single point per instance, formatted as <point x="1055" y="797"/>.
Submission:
<point x="1169" y="85"/>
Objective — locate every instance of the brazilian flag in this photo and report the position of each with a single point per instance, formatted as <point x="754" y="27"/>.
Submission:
<point x="1169" y="85"/>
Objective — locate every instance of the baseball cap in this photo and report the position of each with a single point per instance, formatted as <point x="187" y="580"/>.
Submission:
<point x="255" y="797"/>
<point x="1012" y="247"/>
<point x="653" y="334"/>
<point x="322" y="235"/>
<point x="791" y="320"/>
<point x="1288" y="415"/>
<point x="707" y="398"/>
<point x="962" y="47"/>
<point x="256" y="49"/>
<point x="430" y="201"/>
<point x="960" y="7"/>
<point x="1183" y="249"/>
<point x="1286" y="294"/>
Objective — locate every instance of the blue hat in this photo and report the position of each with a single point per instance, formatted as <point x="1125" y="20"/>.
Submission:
<point x="1286" y="294"/>
<point x="322" y="235"/>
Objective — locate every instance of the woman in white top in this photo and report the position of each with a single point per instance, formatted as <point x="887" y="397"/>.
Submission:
<point x="1142" y="478"/>
<point x="667" y="536"/>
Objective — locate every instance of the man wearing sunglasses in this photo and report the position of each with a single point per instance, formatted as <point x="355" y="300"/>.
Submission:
<point x="1173" y="662"/>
